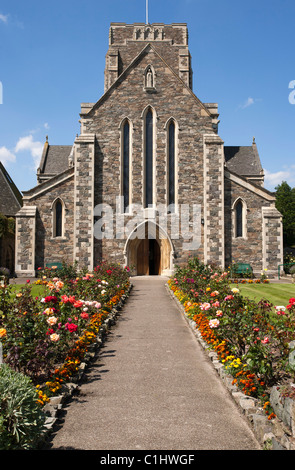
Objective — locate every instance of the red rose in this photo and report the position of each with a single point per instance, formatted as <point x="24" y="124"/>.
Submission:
<point x="71" y="327"/>
<point x="50" y="298"/>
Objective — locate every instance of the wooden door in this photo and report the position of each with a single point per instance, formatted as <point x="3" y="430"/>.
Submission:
<point x="143" y="257"/>
<point x="154" y="257"/>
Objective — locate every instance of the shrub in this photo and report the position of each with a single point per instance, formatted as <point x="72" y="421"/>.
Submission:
<point x="21" y="417"/>
<point x="38" y="333"/>
<point x="251" y="339"/>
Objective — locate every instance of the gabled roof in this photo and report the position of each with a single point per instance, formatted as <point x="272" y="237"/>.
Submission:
<point x="250" y="185"/>
<point x="54" y="160"/>
<point x="48" y="184"/>
<point x="10" y="197"/>
<point x="243" y="160"/>
<point x="146" y="49"/>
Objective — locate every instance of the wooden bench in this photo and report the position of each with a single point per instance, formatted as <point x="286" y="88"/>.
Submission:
<point x="242" y="268"/>
<point x="53" y="265"/>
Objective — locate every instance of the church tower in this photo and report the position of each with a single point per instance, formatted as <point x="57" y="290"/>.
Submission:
<point x="127" y="41"/>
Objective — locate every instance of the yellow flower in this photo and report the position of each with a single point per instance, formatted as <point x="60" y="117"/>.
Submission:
<point x="235" y="290"/>
<point x="3" y="332"/>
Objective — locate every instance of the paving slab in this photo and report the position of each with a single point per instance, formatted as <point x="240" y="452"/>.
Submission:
<point x="152" y="387"/>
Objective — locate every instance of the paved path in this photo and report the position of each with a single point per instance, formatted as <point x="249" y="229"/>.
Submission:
<point x="152" y="387"/>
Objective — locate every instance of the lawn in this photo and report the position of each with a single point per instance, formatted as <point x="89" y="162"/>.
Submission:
<point x="37" y="290"/>
<point x="275" y="293"/>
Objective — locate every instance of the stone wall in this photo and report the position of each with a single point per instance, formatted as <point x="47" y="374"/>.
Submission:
<point x="25" y="239"/>
<point x="127" y="41"/>
<point x="35" y="241"/>
<point x="48" y="248"/>
<point x="261" y="245"/>
<point x="213" y="200"/>
<point x="84" y="201"/>
<point x="128" y="99"/>
<point x="272" y="236"/>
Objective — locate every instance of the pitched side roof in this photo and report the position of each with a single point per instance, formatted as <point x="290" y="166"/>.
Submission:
<point x="243" y="160"/>
<point x="10" y="197"/>
<point x="54" y="160"/>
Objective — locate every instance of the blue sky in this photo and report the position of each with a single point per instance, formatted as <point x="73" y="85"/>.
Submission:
<point x="52" y="58"/>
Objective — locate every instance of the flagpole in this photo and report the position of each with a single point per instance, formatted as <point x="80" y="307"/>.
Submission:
<point x="147" y="12"/>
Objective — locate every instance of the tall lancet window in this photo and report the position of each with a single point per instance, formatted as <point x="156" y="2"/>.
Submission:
<point x="239" y="219"/>
<point x="126" y="164"/>
<point x="58" y="219"/>
<point x="148" y="158"/>
<point x="171" y="163"/>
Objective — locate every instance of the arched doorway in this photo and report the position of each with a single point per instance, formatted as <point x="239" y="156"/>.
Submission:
<point x="148" y="257"/>
<point x="149" y="250"/>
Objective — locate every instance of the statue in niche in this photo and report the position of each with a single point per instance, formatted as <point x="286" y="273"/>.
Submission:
<point x="147" y="33"/>
<point x="149" y="78"/>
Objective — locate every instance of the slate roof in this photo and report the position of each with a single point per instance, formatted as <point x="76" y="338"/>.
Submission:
<point x="244" y="161"/>
<point x="10" y="196"/>
<point x="54" y="160"/>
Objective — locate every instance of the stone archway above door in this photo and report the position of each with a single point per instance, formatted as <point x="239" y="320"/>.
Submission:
<point x="163" y="249"/>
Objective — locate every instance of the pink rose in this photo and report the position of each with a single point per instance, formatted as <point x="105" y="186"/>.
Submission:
<point x="265" y="340"/>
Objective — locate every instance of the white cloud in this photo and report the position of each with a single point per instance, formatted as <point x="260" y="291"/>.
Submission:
<point x="3" y="18"/>
<point x="6" y="156"/>
<point x="248" y="103"/>
<point x="273" y="179"/>
<point x="34" y="147"/>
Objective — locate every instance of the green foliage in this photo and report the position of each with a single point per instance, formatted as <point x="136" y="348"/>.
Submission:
<point x="66" y="271"/>
<point x="7" y="226"/>
<point x="21" y="417"/>
<point x="285" y="203"/>
<point x="256" y="333"/>
<point x="39" y="331"/>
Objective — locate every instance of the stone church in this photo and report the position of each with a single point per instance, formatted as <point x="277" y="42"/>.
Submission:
<point x="148" y="183"/>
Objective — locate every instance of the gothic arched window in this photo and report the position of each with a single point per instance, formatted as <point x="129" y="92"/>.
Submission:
<point x="58" y="211"/>
<point x="239" y="219"/>
<point x="126" y="164"/>
<point x="149" y="137"/>
<point x="171" y="163"/>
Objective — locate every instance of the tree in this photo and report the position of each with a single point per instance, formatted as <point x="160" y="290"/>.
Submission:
<point x="285" y="203"/>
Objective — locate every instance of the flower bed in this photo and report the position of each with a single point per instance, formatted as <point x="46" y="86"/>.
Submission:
<point x="253" y="341"/>
<point x="47" y="338"/>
